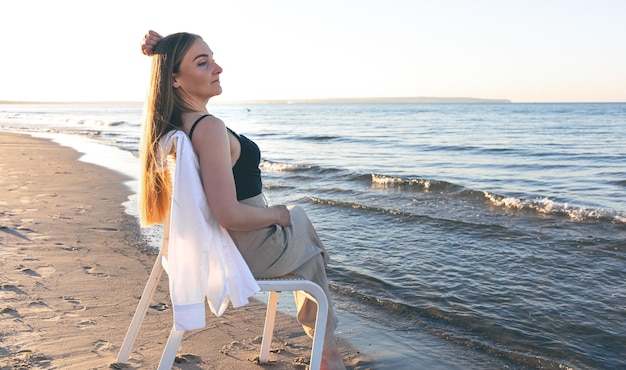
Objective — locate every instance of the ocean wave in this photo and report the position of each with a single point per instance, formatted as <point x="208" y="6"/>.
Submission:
<point x="272" y="166"/>
<point x="278" y="187"/>
<point x="363" y="207"/>
<point x="9" y="115"/>
<point x="396" y="213"/>
<point x="95" y="122"/>
<point x="551" y="207"/>
<point x="384" y="181"/>
<point x="284" y="167"/>
<point x="319" y="137"/>
<point x="408" y="217"/>
<point x="543" y="206"/>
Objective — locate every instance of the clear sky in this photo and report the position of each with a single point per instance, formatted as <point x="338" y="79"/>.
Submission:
<point x="522" y="50"/>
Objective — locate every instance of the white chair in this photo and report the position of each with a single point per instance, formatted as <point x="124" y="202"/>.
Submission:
<point x="273" y="286"/>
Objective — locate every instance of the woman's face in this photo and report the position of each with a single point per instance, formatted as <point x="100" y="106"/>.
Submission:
<point x="198" y="75"/>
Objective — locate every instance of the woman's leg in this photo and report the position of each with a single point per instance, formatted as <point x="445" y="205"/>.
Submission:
<point x="298" y="250"/>
<point x="306" y="309"/>
<point x="315" y="271"/>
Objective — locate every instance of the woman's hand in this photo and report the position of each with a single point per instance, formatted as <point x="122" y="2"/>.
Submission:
<point x="284" y="217"/>
<point x="150" y="39"/>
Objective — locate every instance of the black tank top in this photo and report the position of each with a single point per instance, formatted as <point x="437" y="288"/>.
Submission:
<point x="246" y="170"/>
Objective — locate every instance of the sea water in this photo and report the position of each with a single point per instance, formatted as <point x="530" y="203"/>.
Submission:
<point x="461" y="235"/>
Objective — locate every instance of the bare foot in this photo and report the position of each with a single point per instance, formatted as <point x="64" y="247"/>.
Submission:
<point x="332" y="360"/>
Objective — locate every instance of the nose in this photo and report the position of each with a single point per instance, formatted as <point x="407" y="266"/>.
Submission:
<point x="218" y="70"/>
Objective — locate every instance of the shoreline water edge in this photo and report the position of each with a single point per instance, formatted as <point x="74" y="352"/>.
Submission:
<point x="74" y="263"/>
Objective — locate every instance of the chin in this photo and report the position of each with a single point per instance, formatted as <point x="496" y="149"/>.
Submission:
<point x="215" y="94"/>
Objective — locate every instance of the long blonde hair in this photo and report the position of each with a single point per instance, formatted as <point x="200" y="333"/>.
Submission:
<point x="163" y="110"/>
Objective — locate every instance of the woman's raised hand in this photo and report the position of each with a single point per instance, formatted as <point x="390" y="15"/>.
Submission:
<point x="150" y="39"/>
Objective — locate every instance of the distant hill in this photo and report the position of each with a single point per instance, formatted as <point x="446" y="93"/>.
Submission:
<point x="418" y="99"/>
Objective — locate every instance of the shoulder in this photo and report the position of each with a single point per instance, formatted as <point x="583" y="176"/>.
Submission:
<point x="201" y="125"/>
<point x="201" y="119"/>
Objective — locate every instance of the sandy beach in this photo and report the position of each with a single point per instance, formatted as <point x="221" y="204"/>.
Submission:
<point x="73" y="266"/>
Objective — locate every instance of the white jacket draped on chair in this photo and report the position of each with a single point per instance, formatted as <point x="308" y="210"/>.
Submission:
<point x="203" y="260"/>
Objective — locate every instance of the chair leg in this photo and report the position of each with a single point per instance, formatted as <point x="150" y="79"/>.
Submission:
<point x="268" y="330"/>
<point x="169" y="354"/>
<point x="140" y="312"/>
<point x="320" y="329"/>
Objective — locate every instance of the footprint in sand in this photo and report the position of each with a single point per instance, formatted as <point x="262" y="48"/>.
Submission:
<point x="9" y="311"/>
<point x="104" y="229"/>
<point x="187" y="358"/>
<point x="13" y="232"/>
<point x="69" y="249"/>
<point x="76" y="303"/>
<point x="51" y="318"/>
<point x="102" y="345"/>
<point x="42" y="310"/>
<point x="38" y="303"/>
<point x="14" y="212"/>
<point x="29" y="359"/>
<point x="38" y="272"/>
<point x="25" y="228"/>
<point x="85" y="324"/>
<point x="30" y="221"/>
<point x="90" y="270"/>
<point x="159" y="306"/>
<point x="27" y="271"/>
<point x="11" y="288"/>
<point x="81" y="210"/>
<point x="45" y="271"/>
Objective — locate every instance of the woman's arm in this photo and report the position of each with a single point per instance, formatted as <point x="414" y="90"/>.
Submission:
<point x="211" y="144"/>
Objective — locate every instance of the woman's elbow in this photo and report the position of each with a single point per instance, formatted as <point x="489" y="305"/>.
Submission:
<point x="232" y="225"/>
<point x="227" y="221"/>
<point x="230" y="218"/>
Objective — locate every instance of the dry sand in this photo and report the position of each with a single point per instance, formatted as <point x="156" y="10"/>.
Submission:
<point x="72" y="268"/>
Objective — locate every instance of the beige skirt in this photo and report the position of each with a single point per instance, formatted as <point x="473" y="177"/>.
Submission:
<point x="276" y="251"/>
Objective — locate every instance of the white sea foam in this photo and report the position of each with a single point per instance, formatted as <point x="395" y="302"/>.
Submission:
<point x="386" y="181"/>
<point x="548" y="206"/>
<point x="281" y="167"/>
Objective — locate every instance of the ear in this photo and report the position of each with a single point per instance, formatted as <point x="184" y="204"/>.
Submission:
<point x="175" y="82"/>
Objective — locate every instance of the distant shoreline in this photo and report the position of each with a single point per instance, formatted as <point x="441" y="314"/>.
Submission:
<point x="372" y="100"/>
<point x="69" y="102"/>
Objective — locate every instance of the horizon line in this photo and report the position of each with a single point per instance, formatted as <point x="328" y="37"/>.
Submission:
<point x="352" y="100"/>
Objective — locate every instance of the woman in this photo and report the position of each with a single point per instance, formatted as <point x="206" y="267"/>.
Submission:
<point x="274" y="240"/>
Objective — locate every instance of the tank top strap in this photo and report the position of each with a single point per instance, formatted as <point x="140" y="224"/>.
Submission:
<point x="193" y="127"/>
<point x="234" y="133"/>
